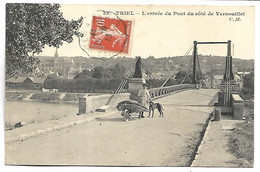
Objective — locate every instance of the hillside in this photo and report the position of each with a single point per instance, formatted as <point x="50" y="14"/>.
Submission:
<point x="164" y="66"/>
<point x="207" y="63"/>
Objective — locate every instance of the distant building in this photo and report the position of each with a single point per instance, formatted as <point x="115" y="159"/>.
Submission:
<point x="242" y="74"/>
<point x="55" y="64"/>
<point x="237" y="78"/>
<point x="217" y="80"/>
<point x="27" y="83"/>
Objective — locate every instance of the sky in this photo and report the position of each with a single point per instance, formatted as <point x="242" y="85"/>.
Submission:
<point x="164" y="36"/>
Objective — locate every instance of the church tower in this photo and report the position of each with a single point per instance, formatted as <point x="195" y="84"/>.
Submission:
<point x="56" y="55"/>
<point x="56" y="65"/>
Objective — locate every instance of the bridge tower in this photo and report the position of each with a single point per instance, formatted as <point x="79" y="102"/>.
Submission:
<point x="228" y="84"/>
<point x="195" y="56"/>
<point x="137" y="81"/>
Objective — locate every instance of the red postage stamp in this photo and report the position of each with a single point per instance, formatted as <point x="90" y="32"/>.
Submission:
<point x="110" y="34"/>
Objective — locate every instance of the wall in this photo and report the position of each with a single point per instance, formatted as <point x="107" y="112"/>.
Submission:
<point x="237" y="106"/>
<point x="95" y="102"/>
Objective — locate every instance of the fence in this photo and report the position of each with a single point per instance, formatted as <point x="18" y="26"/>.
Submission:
<point x="160" y="91"/>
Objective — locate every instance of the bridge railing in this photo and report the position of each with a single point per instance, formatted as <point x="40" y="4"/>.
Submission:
<point x="160" y="91"/>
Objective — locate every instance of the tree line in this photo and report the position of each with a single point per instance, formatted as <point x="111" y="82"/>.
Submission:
<point x="94" y="80"/>
<point x="105" y="80"/>
<point x="82" y="85"/>
<point x="247" y="92"/>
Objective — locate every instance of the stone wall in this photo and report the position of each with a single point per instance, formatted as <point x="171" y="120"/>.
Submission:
<point x="237" y="106"/>
<point x="95" y="102"/>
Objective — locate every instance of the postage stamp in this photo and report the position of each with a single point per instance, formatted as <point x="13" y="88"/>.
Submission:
<point x="110" y="34"/>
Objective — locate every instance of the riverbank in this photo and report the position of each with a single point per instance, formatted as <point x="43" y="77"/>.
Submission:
<point x="42" y="106"/>
<point x="45" y="96"/>
<point x="43" y="128"/>
<point x="30" y="112"/>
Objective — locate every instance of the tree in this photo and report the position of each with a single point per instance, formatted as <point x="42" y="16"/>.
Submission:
<point x="98" y="72"/>
<point x="84" y="74"/>
<point x="181" y="75"/>
<point x="52" y="83"/>
<point x="29" y="28"/>
<point x="100" y="84"/>
<point x="53" y="76"/>
<point x="118" y="71"/>
<point x="248" y="86"/>
<point x="188" y="80"/>
<point x="113" y="84"/>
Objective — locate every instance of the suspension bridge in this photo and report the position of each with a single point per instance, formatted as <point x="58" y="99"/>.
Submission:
<point x="227" y="87"/>
<point x="104" y="139"/>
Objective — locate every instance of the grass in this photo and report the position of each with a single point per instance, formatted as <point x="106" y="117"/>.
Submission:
<point x="46" y="96"/>
<point x="17" y="95"/>
<point x="73" y="96"/>
<point x="241" y="140"/>
<point x="12" y="95"/>
<point x="241" y="143"/>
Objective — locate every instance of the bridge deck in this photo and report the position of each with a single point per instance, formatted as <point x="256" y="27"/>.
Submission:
<point x="200" y="97"/>
<point x="108" y="140"/>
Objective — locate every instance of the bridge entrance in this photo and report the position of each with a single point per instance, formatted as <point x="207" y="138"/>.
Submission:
<point x="228" y="84"/>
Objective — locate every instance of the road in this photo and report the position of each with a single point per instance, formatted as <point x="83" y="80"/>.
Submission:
<point x="109" y="141"/>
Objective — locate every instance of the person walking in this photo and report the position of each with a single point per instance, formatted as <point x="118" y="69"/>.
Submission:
<point x="143" y="98"/>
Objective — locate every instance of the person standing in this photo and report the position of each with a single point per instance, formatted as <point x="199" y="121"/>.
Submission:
<point x="143" y="98"/>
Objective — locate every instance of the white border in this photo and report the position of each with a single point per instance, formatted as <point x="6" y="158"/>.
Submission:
<point x="140" y="2"/>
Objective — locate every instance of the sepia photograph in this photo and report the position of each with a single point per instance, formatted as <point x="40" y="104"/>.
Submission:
<point x="129" y="85"/>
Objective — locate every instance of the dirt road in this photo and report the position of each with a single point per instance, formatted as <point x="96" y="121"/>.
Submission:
<point x="109" y="141"/>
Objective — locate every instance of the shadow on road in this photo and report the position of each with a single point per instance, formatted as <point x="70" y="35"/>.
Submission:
<point x="110" y="119"/>
<point x="117" y="119"/>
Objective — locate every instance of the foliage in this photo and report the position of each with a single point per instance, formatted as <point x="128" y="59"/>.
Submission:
<point x="188" y="80"/>
<point x="82" y="84"/>
<point x="112" y="84"/>
<point x="73" y="96"/>
<point x="52" y="83"/>
<point x="153" y="83"/>
<point x="181" y="75"/>
<point x="53" y="76"/>
<point x="29" y="27"/>
<point x="241" y="142"/>
<point x="84" y="74"/>
<point x="98" y="72"/>
<point x="117" y="71"/>
<point x="171" y="82"/>
<point x="248" y="86"/>
<point x="89" y="81"/>
<point x="46" y="96"/>
<point x="100" y="84"/>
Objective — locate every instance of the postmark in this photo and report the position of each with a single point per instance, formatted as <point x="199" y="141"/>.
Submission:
<point x="110" y="34"/>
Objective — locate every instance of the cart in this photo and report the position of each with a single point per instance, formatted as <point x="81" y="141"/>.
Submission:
<point x="129" y="108"/>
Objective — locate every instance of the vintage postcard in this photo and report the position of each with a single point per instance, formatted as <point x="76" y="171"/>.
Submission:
<point x="129" y="85"/>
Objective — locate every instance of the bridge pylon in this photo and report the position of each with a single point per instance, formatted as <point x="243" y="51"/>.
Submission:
<point x="228" y="85"/>
<point x="137" y="81"/>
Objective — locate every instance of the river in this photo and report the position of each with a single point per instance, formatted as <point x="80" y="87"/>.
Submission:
<point x="30" y="112"/>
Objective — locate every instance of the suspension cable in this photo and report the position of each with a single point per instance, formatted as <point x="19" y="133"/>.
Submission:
<point x="188" y="70"/>
<point x="149" y="73"/>
<point x="186" y="54"/>
<point x="122" y="84"/>
<point x="199" y="66"/>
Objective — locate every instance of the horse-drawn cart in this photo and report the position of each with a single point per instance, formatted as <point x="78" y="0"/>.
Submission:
<point x="129" y="108"/>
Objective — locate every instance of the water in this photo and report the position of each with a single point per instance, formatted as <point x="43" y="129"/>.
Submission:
<point x="30" y="112"/>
